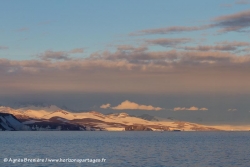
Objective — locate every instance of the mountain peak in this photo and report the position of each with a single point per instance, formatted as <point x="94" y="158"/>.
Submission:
<point x="61" y="111"/>
<point x="148" y="117"/>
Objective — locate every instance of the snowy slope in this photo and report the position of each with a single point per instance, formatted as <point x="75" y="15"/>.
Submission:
<point x="9" y="122"/>
<point x="59" y="113"/>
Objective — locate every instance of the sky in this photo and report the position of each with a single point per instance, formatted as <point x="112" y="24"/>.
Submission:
<point x="186" y="60"/>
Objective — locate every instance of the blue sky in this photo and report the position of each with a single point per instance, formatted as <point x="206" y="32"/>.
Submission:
<point x="29" y="28"/>
<point x="186" y="59"/>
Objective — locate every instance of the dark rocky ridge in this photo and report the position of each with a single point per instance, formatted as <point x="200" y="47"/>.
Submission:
<point x="137" y="128"/>
<point x="148" y="117"/>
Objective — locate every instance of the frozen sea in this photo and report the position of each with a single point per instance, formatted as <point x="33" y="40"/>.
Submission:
<point x="170" y="149"/>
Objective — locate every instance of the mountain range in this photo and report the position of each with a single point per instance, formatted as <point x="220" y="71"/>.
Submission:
<point x="54" y="118"/>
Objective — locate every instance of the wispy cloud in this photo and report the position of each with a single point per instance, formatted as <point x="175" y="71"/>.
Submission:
<point x="77" y="50"/>
<point x="193" y="108"/>
<point x="234" y="22"/>
<point x="59" y="55"/>
<point x="237" y="2"/>
<point x="168" y="42"/>
<point x="168" y="30"/>
<point x="23" y="29"/>
<point x="232" y="109"/>
<point x="4" y="47"/>
<point x="46" y="22"/>
<point x="242" y="2"/>
<point x="222" y="46"/>
<point x="52" y="55"/>
<point x="132" y="48"/>
<point x="226" y="5"/>
<point x="105" y="106"/>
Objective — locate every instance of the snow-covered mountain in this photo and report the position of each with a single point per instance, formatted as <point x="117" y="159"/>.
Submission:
<point x="10" y="122"/>
<point x="53" y="117"/>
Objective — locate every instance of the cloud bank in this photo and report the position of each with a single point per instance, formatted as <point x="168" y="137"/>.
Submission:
<point x="131" y="71"/>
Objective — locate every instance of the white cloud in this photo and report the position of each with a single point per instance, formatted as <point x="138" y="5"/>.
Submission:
<point x="105" y="106"/>
<point x="128" y="105"/>
<point x="193" y="108"/>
